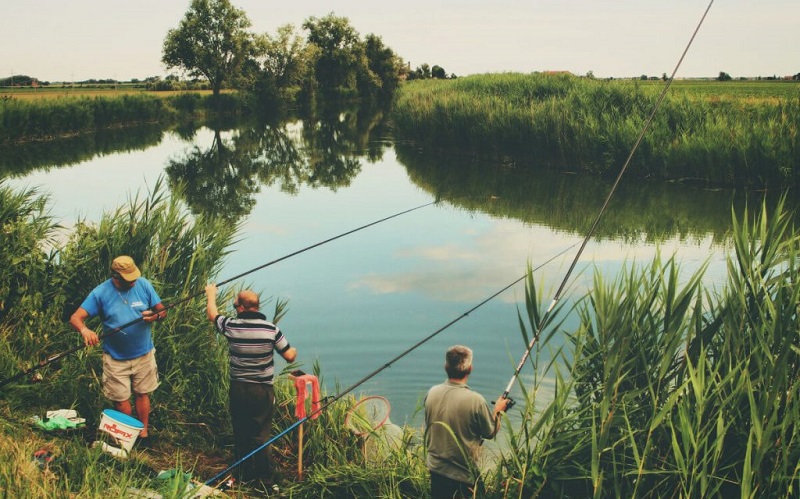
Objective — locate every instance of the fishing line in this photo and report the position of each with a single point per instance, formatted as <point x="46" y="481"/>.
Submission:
<point x="647" y="124"/>
<point x="102" y="336"/>
<point x="388" y="364"/>
<point x="549" y="309"/>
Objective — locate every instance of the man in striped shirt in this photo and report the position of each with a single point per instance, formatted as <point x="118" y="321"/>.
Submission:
<point x="252" y="341"/>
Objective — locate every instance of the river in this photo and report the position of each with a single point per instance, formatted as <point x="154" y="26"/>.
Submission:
<point x="358" y="302"/>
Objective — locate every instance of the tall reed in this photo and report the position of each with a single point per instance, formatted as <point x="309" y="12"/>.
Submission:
<point x="670" y="390"/>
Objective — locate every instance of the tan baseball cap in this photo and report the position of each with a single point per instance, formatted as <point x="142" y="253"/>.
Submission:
<point x="126" y="268"/>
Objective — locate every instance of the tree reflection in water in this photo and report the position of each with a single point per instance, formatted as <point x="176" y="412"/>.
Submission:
<point x="323" y="150"/>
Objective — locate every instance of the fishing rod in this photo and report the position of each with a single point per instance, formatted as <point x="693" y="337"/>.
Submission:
<point x="103" y="336"/>
<point x="545" y="317"/>
<point x="561" y="287"/>
<point x="333" y="399"/>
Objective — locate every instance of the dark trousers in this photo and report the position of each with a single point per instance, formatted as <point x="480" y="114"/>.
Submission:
<point x="252" y="406"/>
<point x="443" y="487"/>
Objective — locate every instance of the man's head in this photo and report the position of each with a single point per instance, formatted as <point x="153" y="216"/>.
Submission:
<point x="458" y="362"/>
<point x="124" y="270"/>
<point x="246" y="300"/>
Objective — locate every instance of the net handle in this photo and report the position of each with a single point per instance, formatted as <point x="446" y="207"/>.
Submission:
<point x="352" y="410"/>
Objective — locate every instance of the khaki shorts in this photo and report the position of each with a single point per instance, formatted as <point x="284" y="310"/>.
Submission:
<point x="119" y="376"/>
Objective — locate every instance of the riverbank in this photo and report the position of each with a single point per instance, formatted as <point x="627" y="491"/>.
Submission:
<point x="663" y="385"/>
<point x="37" y="116"/>
<point x="712" y="133"/>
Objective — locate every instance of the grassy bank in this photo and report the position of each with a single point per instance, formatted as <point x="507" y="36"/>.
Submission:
<point x="39" y="119"/>
<point x="665" y="389"/>
<point x="45" y="274"/>
<point x="715" y="134"/>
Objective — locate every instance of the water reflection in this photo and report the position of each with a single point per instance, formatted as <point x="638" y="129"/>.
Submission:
<point x="24" y="158"/>
<point x="646" y="212"/>
<point x="323" y="150"/>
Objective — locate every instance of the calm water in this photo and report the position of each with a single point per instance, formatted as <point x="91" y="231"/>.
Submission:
<point x="359" y="301"/>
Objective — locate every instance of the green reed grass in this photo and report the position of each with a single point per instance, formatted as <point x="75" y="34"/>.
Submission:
<point x="43" y="119"/>
<point x="671" y="390"/>
<point x="575" y="123"/>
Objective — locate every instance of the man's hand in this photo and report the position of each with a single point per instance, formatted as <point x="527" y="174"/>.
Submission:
<point x="150" y="316"/>
<point x="211" y="301"/>
<point x="90" y="338"/>
<point x="500" y="405"/>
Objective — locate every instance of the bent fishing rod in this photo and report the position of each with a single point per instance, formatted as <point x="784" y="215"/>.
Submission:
<point x="331" y="400"/>
<point x="57" y="357"/>
<point x="648" y="122"/>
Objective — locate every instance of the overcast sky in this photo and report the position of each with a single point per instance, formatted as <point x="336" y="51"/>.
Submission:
<point x="66" y="40"/>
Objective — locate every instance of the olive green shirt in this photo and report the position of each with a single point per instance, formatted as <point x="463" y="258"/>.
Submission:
<point x="456" y="422"/>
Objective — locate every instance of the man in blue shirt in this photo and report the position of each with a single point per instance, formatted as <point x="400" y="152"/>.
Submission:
<point x="129" y="364"/>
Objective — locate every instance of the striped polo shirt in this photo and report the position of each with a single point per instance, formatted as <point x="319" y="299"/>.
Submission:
<point x="252" y="341"/>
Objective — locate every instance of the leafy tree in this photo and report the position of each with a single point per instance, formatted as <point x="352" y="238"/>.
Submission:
<point x="424" y="71"/>
<point x="211" y="41"/>
<point x="383" y="63"/>
<point x="17" y="80"/>
<point x="285" y="60"/>
<point x="723" y="76"/>
<point x="337" y="64"/>
<point x="438" y="72"/>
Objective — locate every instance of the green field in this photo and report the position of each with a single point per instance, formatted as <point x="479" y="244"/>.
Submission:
<point x="767" y="90"/>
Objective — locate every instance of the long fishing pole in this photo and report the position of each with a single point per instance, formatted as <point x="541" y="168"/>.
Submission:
<point x="560" y="290"/>
<point x="61" y="355"/>
<point x="374" y="373"/>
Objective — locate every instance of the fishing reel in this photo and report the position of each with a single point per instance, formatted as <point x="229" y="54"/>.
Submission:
<point x="511" y="402"/>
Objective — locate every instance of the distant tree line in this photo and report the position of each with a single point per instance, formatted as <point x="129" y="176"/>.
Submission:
<point x="21" y="81"/>
<point x="425" y="72"/>
<point x="214" y="42"/>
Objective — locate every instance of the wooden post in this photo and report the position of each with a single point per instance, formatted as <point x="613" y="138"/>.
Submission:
<point x="293" y="376"/>
<point x="300" y="452"/>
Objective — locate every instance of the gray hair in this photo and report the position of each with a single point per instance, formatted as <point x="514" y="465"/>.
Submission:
<point x="458" y="361"/>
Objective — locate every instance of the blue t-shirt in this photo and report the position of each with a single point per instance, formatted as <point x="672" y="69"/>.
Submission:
<point x="117" y="308"/>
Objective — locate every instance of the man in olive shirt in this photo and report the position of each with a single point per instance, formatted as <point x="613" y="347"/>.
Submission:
<point x="456" y="422"/>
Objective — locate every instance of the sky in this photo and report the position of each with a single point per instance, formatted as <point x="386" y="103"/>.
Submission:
<point x="57" y="40"/>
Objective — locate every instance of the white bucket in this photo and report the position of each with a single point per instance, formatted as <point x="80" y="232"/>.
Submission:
<point x="118" y="430"/>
